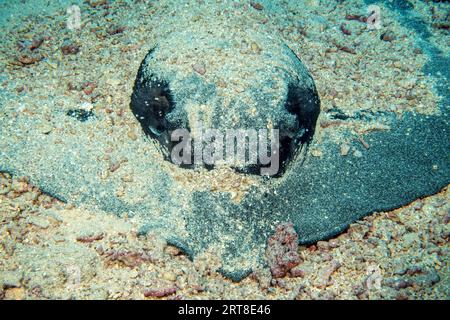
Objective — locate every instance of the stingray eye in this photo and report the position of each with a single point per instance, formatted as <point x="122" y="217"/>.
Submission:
<point x="304" y="104"/>
<point x="151" y="101"/>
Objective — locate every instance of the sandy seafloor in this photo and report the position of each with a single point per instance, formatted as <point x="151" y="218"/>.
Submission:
<point x="52" y="250"/>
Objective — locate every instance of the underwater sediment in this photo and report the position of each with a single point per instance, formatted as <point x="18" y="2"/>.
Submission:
<point x="228" y="67"/>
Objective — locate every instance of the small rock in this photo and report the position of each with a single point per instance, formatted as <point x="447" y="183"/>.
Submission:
<point x="46" y="128"/>
<point x="88" y="87"/>
<point x="87" y="106"/>
<point x="158" y="293"/>
<point x="80" y="114"/>
<point x="70" y="49"/>
<point x="4" y="189"/>
<point x="357" y="154"/>
<point x="15" y="294"/>
<point x="127" y="178"/>
<point x="401" y="296"/>
<point x="89" y="237"/>
<point x="173" y="251"/>
<point x="222" y="84"/>
<point x="257" y="6"/>
<point x="323" y="245"/>
<point x="345" y="30"/>
<point x="116" y="30"/>
<point x="132" y="135"/>
<point x="36" y="44"/>
<point x="399" y="283"/>
<point x="19" y="186"/>
<point x="297" y="272"/>
<point x="302" y="270"/>
<point x="96" y="3"/>
<point x="281" y="251"/>
<point x="388" y="36"/>
<point x="10" y="279"/>
<point x="264" y="278"/>
<point x="39" y="222"/>
<point x="317" y="153"/>
<point x="281" y="283"/>
<point x="345" y="148"/>
<point x="199" y="68"/>
<point x="52" y="214"/>
<point x="27" y="60"/>
<point x="114" y="166"/>
<point x="256" y="48"/>
<point x="323" y="279"/>
<point x="333" y="243"/>
<point x="169" y="276"/>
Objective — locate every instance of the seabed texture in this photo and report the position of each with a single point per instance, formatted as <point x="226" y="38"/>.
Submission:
<point x="86" y="192"/>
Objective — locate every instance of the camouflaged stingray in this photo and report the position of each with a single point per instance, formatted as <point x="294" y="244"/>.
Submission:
<point x="227" y="212"/>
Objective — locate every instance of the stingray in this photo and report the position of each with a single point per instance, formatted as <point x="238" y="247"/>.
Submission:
<point x="195" y="73"/>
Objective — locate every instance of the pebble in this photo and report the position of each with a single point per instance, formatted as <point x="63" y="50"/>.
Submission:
<point x="87" y="106"/>
<point x="70" y="49"/>
<point x="19" y="186"/>
<point x="52" y="214"/>
<point x="199" y="68"/>
<point x="113" y="82"/>
<point x="132" y="135"/>
<point x="15" y="294"/>
<point x="114" y="166"/>
<point x="45" y="128"/>
<point x="317" y="153"/>
<point x="127" y="178"/>
<point x="255" y="48"/>
<point x="323" y="245"/>
<point x="10" y="279"/>
<point x="411" y="239"/>
<point x="104" y="175"/>
<point x="222" y="84"/>
<point x="357" y="154"/>
<point x="133" y="274"/>
<point x="89" y="236"/>
<point x="323" y="279"/>
<point x="257" y="6"/>
<point x="263" y="277"/>
<point x="333" y="243"/>
<point x="388" y="36"/>
<point x="173" y="251"/>
<point x="158" y="293"/>
<point x="4" y="189"/>
<point x="169" y="276"/>
<point x="120" y="191"/>
<point x="30" y="196"/>
<point x="59" y="238"/>
<point x="39" y="222"/>
<point x="302" y="270"/>
<point x="345" y="148"/>
<point x="297" y="272"/>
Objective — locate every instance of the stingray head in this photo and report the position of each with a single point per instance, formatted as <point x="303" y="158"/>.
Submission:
<point x="279" y="95"/>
